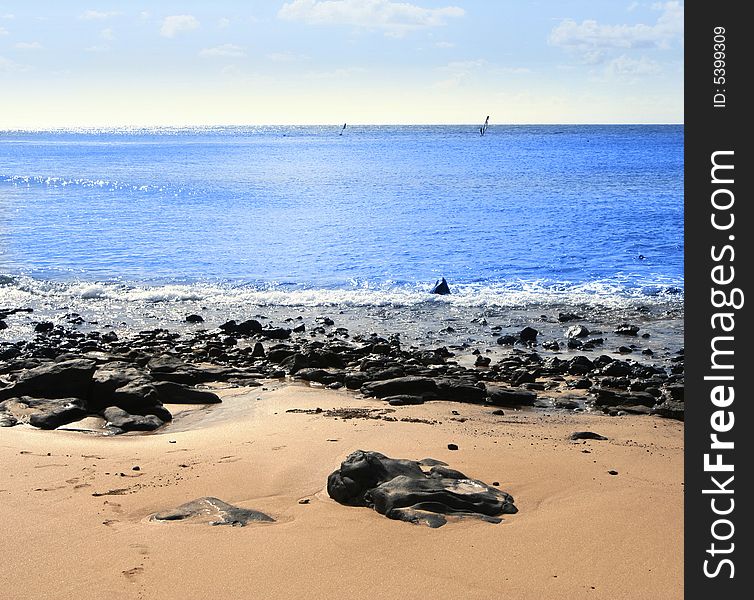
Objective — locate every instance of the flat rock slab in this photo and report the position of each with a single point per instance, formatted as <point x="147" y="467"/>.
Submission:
<point x="213" y="511"/>
<point x="586" y="435"/>
<point x="422" y="492"/>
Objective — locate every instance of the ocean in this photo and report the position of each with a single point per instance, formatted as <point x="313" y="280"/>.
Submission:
<point x="224" y="218"/>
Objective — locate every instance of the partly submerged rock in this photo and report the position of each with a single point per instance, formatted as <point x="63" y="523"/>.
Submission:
<point x="402" y="489"/>
<point x="440" y="287"/>
<point x="214" y="511"/>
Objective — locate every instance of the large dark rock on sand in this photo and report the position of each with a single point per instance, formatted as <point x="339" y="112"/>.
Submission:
<point x="404" y="400"/>
<point x="214" y="511"/>
<point x="176" y="393"/>
<point x="586" y="435"/>
<point x="140" y="398"/>
<point x="613" y="397"/>
<point x="459" y="390"/>
<point x="670" y="409"/>
<point x="505" y="396"/>
<point x="111" y="376"/>
<point x="120" y="419"/>
<point x="409" y="491"/>
<point x="323" y="376"/>
<point x="440" y="287"/>
<point x="65" y="379"/>
<point x="45" y="413"/>
<point x="411" y="385"/>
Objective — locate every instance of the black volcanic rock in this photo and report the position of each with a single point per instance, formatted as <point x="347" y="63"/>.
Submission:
<point x="586" y="435"/>
<point x="176" y="393"/>
<point x="411" y="385"/>
<point x="66" y="379"/>
<point x="460" y="391"/>
<point x="670" y="409"/>
<point x="275" y="333"/>
<point x="440" y="287"/>
<point x="120" y="419"/>
<point x="613" y="397"/>
<point x="45" y="413"/>
<point x="404" y="400"/>
<point x="44" y="327"/>
<point x="482" y="361"/>
<point x="245" y="328"/>
<point x="504" y="396"/>
<point x="403" y="490"/>
<point x="528" y="335"/>
<point x="507" y="340"/>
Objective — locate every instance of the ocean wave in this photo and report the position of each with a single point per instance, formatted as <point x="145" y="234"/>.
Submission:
<point x="514" y="294"/>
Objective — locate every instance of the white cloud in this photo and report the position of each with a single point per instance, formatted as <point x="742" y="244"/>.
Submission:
<point x="457" y="72"/>
<point x="594" y="41"/>
<point x="395" y="18"/>
<point x="8" y="16"/>
<point x="627" y="66"/>
<point x="29" y="46"/>
<point x="3" y="31"/>
<point x="96" y="15"/>
<point x="98" y="48"/>
<point x="107" y="34"/>
<point x="444" y="45"/>
<point x="223" y="22"/>
<point x="175" y="24"/>
<point x="226" y="50"/>
<point x="231" y="71"/>
<point x="9" y="66"/>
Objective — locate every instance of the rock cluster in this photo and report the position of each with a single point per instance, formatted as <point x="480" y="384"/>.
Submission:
<point x="128" y="381"/>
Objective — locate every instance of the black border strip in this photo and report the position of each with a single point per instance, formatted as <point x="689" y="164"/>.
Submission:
<point x="711" y="127"/>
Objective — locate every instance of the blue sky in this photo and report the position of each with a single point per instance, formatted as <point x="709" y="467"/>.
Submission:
<point x="96" y="63"/>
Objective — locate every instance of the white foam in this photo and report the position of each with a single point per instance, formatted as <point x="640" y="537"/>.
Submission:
<point x="514" y="294"/>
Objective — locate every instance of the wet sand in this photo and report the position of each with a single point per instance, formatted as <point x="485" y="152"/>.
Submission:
<point x="75" y="514"/>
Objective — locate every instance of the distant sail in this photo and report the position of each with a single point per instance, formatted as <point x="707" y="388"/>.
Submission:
<point x="344" y="128"/>
<point x="483" y="128"/>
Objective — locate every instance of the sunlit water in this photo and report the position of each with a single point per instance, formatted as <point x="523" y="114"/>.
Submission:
<point x="227" y="218"/>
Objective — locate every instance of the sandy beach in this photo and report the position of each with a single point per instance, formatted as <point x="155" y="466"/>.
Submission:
<point x="76" y="506"/>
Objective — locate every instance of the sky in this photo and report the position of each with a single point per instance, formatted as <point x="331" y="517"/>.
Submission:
<point x="71" y="63"/>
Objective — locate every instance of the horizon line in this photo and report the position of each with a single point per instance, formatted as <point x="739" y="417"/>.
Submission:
<point x="332" y="124"/>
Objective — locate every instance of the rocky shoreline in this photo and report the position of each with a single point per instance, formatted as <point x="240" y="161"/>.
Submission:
<point x="62" y="375"/>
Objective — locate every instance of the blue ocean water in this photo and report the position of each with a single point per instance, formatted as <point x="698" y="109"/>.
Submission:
<point x="549" y="210"/>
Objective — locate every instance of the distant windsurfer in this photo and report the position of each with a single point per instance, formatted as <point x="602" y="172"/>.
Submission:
<point x="344" y="128"/>
<point x="483" y="128"/>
